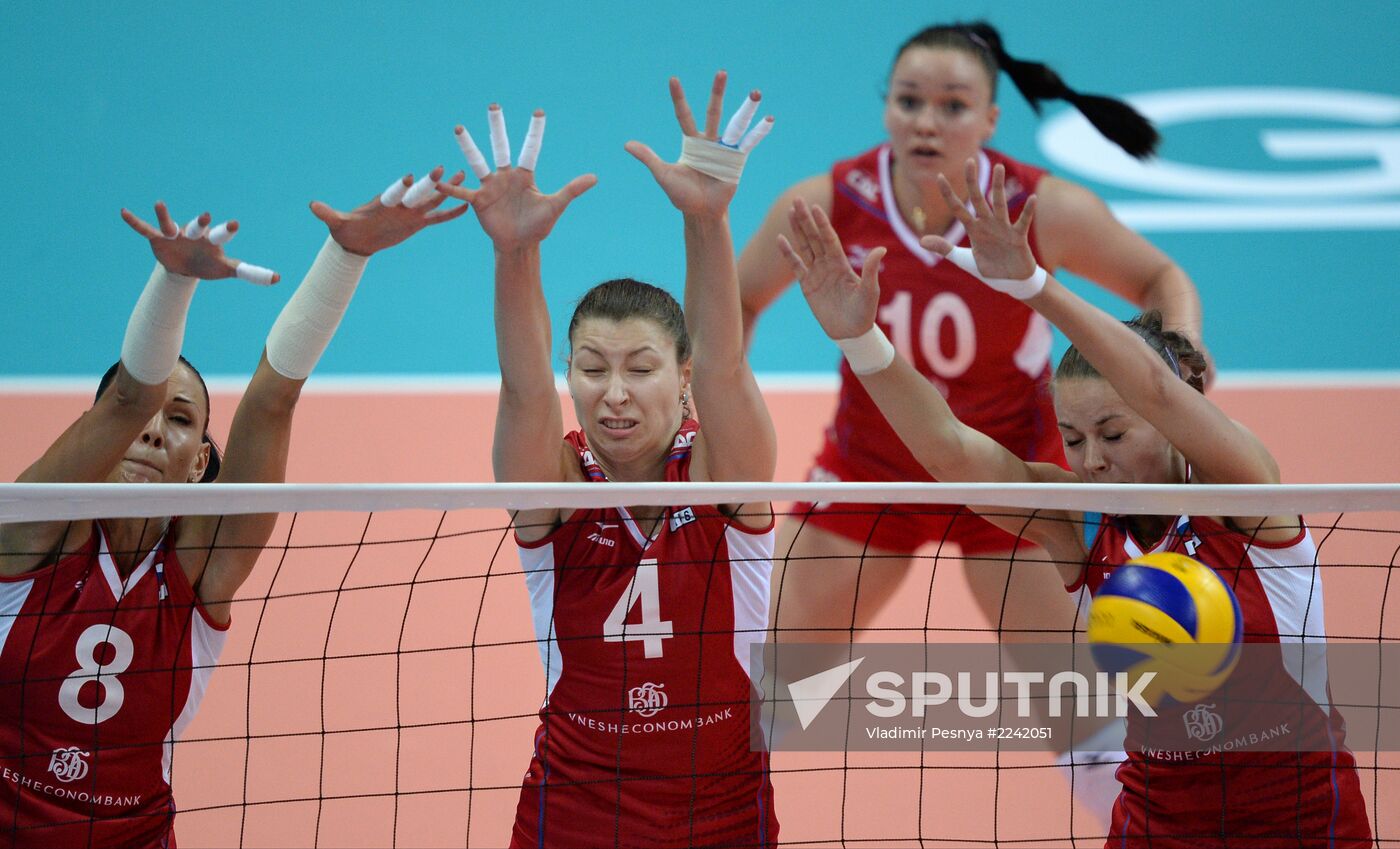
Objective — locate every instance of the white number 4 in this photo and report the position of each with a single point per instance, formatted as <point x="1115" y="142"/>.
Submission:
<point x="652" y="629"/>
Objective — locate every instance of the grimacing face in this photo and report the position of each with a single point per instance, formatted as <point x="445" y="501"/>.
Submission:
<point x="1106" y="441"/>
<point x="170" y="448"/>
<point x="938" y="112"/>
<point x="626" y="386"/>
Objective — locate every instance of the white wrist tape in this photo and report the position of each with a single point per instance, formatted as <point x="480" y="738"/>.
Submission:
<point x="712" y="158"/>
<point x="869" y="352"/>
<point x="157" y="326"/>
<point x="308" y="321"/>
<point x="1019" y="289"/>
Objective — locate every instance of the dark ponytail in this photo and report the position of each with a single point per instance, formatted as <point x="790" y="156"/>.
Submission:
<point x="1115" y="120"/>
<point x="1174" y="348"/>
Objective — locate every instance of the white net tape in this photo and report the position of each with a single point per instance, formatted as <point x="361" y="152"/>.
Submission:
<point x="35" y="502"/>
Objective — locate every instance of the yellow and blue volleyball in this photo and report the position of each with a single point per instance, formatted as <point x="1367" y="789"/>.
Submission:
<point x="1171" y="615"/>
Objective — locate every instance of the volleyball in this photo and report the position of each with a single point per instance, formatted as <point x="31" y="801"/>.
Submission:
<point x="1171" y="615"/>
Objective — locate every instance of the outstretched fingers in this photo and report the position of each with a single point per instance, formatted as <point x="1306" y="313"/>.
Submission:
<point x="684" y="116"/>
<point x="974" y="190"/>
<point x="955" y="203"/>
<point x="795" y="260"/>
<point x="574" y="188"/>
<point x="136" y="223"/>
<point x="714" y="110"/>
<point x="1023" y="223"/>
<point x="534" y="138"/>
<point x="475" y="160"/>
<point x="168" y="227"/>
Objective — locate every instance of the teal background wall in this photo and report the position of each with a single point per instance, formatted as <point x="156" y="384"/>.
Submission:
<point x="253" y="109"/>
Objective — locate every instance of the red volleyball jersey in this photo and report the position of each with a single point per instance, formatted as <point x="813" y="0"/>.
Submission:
<point x="645" y="735"/>
<point x="1262" y="798"/>
<point x="986" y="352"/>
<point x="98" y="676"/>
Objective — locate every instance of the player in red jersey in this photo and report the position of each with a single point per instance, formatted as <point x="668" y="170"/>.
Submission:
<point x="110" y="630"/>
<point x="644" y="615"/>
<point x="986" y="353"/>
<point x="1130" y="408"/>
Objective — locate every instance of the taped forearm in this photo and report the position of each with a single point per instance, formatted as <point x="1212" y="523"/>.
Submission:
<point x="309" y="320"/>
<point x="151" y="347"/>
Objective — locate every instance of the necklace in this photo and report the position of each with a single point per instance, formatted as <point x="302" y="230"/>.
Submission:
<point x="919" y="219"/>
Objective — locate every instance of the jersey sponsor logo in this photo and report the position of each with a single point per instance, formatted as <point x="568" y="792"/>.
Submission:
<point x="1353" y="181"/>
<point x="684" y="439"/>
<point x="37" y="784"/>
<point x="865" y="184"/>
<point x="647" y="699"/>
<point x="597" y="536"/>
<point x="1202" y="722"/>
<point x="689" y="723"/>
<point x="682" y="517"/>
<point x="68" y="764"/>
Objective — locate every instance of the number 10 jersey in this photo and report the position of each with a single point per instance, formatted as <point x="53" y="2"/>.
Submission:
<point x="645" y="729"/>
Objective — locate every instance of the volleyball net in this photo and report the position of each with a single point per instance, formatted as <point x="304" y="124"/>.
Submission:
<point x="381" y="682"/>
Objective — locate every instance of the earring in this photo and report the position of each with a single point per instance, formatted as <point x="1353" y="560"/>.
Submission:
<point x="685" y="404"/>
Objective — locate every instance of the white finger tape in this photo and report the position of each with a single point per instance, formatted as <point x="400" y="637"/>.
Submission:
<point x="421" y="192"/>
<point x="475" y="160"/>
<point x="393" y="195"/>
<point x="756" y="135"/>
<point x="738" y="124"/>
<point x="220" y="234"/>
<point x="254" y="274"/>
<point x="195" y="230"/>
<point x="534" y="137"/>
<point x="500" y="141"/>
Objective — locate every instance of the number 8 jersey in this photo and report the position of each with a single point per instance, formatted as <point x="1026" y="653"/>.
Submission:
<point x="99" y="674"/>
<point x="645" y="734"/>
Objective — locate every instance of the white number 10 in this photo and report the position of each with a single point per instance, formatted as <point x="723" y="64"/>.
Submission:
<point x="944" y="305"/>
<point x="652" y="629"/>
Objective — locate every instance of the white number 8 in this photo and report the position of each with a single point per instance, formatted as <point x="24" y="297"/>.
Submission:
<point x="89" y="669"/>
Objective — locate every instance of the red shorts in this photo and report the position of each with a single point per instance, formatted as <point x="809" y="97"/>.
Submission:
<point x="906" y="527"/>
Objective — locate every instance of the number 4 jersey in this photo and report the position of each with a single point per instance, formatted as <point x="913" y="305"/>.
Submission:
<point x="988" y="353"/>
<point x="645" y="639"/>
<point x="98" y="676"/>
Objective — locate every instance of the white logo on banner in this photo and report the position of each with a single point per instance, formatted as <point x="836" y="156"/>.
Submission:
<point x="1364" y="197"/>
<point x="1202" y="723"/>
<point x="68" y="764"/>
<point x="646" y="699"/>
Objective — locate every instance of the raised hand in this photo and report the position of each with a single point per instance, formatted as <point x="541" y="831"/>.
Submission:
<point x="692" y="184"/>
<point x="842" y="302"/>
<point x="511" y="209"/>
<point x="1000" y="246"/>
<point x="196" y="251"/>
<point x="397" y="213"/>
